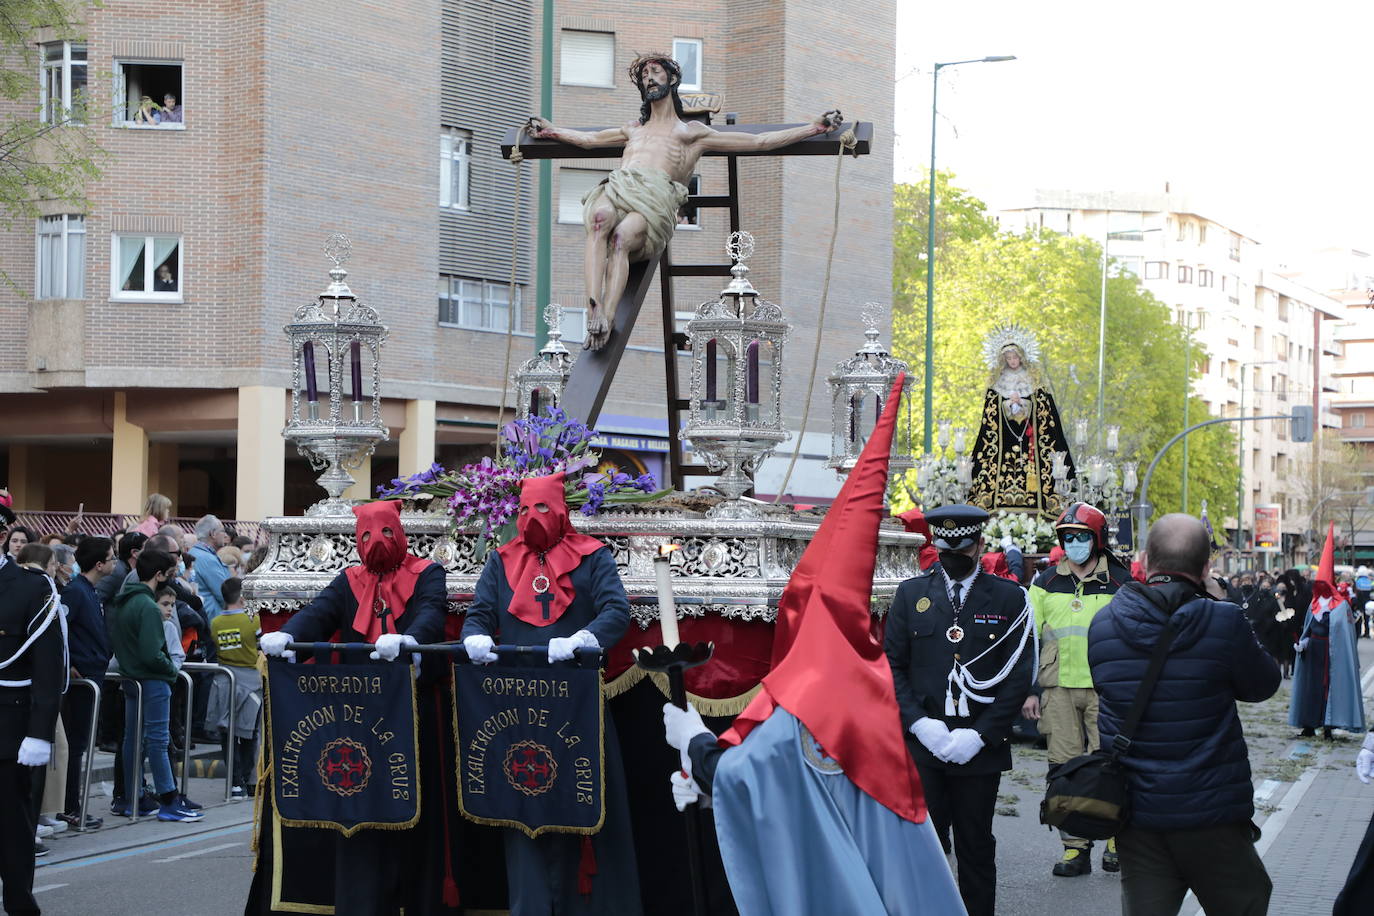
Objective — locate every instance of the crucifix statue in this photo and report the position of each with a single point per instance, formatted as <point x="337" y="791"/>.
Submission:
<point x="631" y="214"/>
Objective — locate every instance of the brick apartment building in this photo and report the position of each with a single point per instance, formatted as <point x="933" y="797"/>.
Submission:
<point x="152" y="356"/>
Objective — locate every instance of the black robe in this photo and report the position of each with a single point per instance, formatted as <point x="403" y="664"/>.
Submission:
<point x="542" y="873"/>
<point x="1013" y="463"/>
<point x="377" y="872"/>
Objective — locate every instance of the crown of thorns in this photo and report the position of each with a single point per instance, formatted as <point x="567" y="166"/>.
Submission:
<point x="665" y="60"/>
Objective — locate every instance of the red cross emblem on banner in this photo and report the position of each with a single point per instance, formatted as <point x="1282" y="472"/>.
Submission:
<point x="344" y="767"/>
<point x="530" y="767"/>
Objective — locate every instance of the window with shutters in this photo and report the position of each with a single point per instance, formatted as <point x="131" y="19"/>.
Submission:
<point x="62" y="82"/>
<point x="573" y="185"/>
<point x="479" y="305"/>
<point x="60" y="265"/>
<point x="1156" y="270"/>
<point x="455" y="168"/>
<point x="687" y="53"/>
<point x="1185" y="274"/>
<point x="146" y="267"/>
<point x="587" y="59"/>
<point x="1204" y="277"/>
<point x="148" y="95"/>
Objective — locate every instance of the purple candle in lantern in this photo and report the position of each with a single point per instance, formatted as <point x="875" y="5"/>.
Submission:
<point x="312" y="393"/>
<point x="356" y="349"/>
<point x="711" y="369"/>
<point x="751" y="377"/>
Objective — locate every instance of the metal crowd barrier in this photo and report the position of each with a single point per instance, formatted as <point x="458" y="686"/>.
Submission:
<point x="137" y="781"/>
<point x="90" y="749"/>
<point x="233" y="704"/>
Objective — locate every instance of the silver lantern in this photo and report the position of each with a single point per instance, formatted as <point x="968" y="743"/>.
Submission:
<point x="336" y="418"/>
<point x="540" y="380"/>
<point x="859" y="387"/>
<point x="735" y="417"/>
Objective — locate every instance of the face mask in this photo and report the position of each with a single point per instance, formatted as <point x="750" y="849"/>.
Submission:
<point x="956" y="565"/>
<point x="181" y="567"/>
<point x="1078" y="552"/>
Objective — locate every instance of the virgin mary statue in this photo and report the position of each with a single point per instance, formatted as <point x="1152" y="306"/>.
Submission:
<point x="1019" y="430"/>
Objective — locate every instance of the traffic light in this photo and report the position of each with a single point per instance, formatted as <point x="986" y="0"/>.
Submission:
<point x="1301" y="423"/>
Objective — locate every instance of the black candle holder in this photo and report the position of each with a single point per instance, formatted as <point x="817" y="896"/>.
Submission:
<point x="674" y="662"/>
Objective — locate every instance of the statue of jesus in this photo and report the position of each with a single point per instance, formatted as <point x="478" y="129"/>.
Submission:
<point x="630" y="216"/>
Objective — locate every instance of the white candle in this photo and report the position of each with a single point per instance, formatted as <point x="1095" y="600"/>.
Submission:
<point x="667" y="610"/>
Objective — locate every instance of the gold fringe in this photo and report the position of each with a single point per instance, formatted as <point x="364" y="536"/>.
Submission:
<point x="518" y="825"/>
<point x="707" y="706"/>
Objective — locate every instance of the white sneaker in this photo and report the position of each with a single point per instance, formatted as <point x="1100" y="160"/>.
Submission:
<point x="56" y="825"/>
<point x="45" y="831"/>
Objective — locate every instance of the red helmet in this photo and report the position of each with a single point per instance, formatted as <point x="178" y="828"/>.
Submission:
<point x="1086" y="517"/>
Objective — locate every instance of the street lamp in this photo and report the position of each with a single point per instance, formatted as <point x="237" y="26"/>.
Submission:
<point x="1102" y="324"/>
<point x="930" y="240"/>
<point x="1240" y="436"/>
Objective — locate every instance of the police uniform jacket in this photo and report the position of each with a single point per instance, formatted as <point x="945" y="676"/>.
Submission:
<point x="922" y="655"/>
<point x="29" y="710"/>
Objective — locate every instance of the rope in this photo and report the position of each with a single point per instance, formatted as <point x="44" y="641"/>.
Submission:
<point x="848" y="142"/>
<point x="516" y="159"/>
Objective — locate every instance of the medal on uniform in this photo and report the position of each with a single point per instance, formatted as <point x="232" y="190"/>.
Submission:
<point x="541" y="584"/>
<point x="923" y="605"/>
<point x="1076" y="604"/>
<point x="955" y="633"/>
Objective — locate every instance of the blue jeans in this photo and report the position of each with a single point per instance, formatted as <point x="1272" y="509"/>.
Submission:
<point x="157" y="707"/>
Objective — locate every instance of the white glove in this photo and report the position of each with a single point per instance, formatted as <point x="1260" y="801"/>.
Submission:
<point x="389" y="646"/>
<point x="1364" y="761"/>
<point x="274" y="644"/>
<point x="1301" y="646"/>
<point x="479" y="648"/>
<point x="686" y="791"/>
<point x="35" y="752"/>
<point x="963" y="744"/>
<point x="680" y="726"/>
<point x="934" y="734"/>
<point x="561" y="648"/>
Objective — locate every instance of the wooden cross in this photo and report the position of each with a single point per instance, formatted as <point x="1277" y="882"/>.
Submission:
<point x="592" y="373"/>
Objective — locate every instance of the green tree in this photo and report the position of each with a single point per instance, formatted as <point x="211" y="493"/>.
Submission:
<point x="40" y="159"/>
<point x="958" y="215"/>
<point x="1051" y="284"/>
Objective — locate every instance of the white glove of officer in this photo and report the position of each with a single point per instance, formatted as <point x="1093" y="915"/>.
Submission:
<point x="35" y="752"/>
<point x="1364" y="761"/>
<point x="479" y="648"/>
<point x="687" y="792"/>
<point x="389" y="646"/>
<point x="963" y="744"/>
<point x="1301" y="646"/>
<point x="934" y="734"/>
<point x="274" y="645"/>
<point x="561" y="648"/>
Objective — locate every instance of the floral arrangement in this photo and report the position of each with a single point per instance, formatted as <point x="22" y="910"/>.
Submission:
<point x="1031" y="533"/>
<point x="489" y="490"/>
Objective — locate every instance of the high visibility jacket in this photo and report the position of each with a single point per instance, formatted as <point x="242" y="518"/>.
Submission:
<point x="1064" y="607"/>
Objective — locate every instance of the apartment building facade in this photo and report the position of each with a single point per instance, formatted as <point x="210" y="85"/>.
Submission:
<point x="153" y="358"/>
<point x="1269" y="341"/>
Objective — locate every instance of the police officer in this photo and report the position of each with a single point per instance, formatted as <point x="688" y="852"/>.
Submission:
<point x="961" y="646"/>
<point x="32" y="672"/>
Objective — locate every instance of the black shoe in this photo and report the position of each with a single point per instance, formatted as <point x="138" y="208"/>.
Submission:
<point x="74" y="821"/>
<point x="1308" y="733"/>
<point x="188" y="804"/>
<point x="39" y="850"/>
<point x="1111" y="861"/>
<point x="1075" y="862"/>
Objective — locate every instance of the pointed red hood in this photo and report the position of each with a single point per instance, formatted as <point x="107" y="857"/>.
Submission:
<point x="1324" y="585"/>
<point x="828" y="670"/>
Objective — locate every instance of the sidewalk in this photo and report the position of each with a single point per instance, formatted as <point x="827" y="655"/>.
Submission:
<point x="1311" y="838"/>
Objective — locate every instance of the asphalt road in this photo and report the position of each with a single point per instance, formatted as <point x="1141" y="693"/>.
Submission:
<point x="204" y="869"/>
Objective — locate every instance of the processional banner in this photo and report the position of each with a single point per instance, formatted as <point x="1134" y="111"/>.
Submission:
<point x="530" y="742"/>
<point x="345" y="747"/>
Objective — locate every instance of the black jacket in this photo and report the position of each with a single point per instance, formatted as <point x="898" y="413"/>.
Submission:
<point x="31" y="711"/>
<point x="921" y="656"/>
<point x="1188" y="764"/>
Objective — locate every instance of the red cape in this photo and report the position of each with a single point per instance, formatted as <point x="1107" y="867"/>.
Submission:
<point x="828" y="670"/>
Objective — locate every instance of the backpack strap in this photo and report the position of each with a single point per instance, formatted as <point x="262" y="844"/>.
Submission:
<point x="1122" y="742"/>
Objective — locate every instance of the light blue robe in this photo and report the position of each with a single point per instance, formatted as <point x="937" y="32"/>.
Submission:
<point x="797" y="837"/>
<point x="1344" y="701"/>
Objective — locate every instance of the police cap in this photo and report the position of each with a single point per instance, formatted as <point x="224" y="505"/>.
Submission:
<point x="956" y="527"/>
